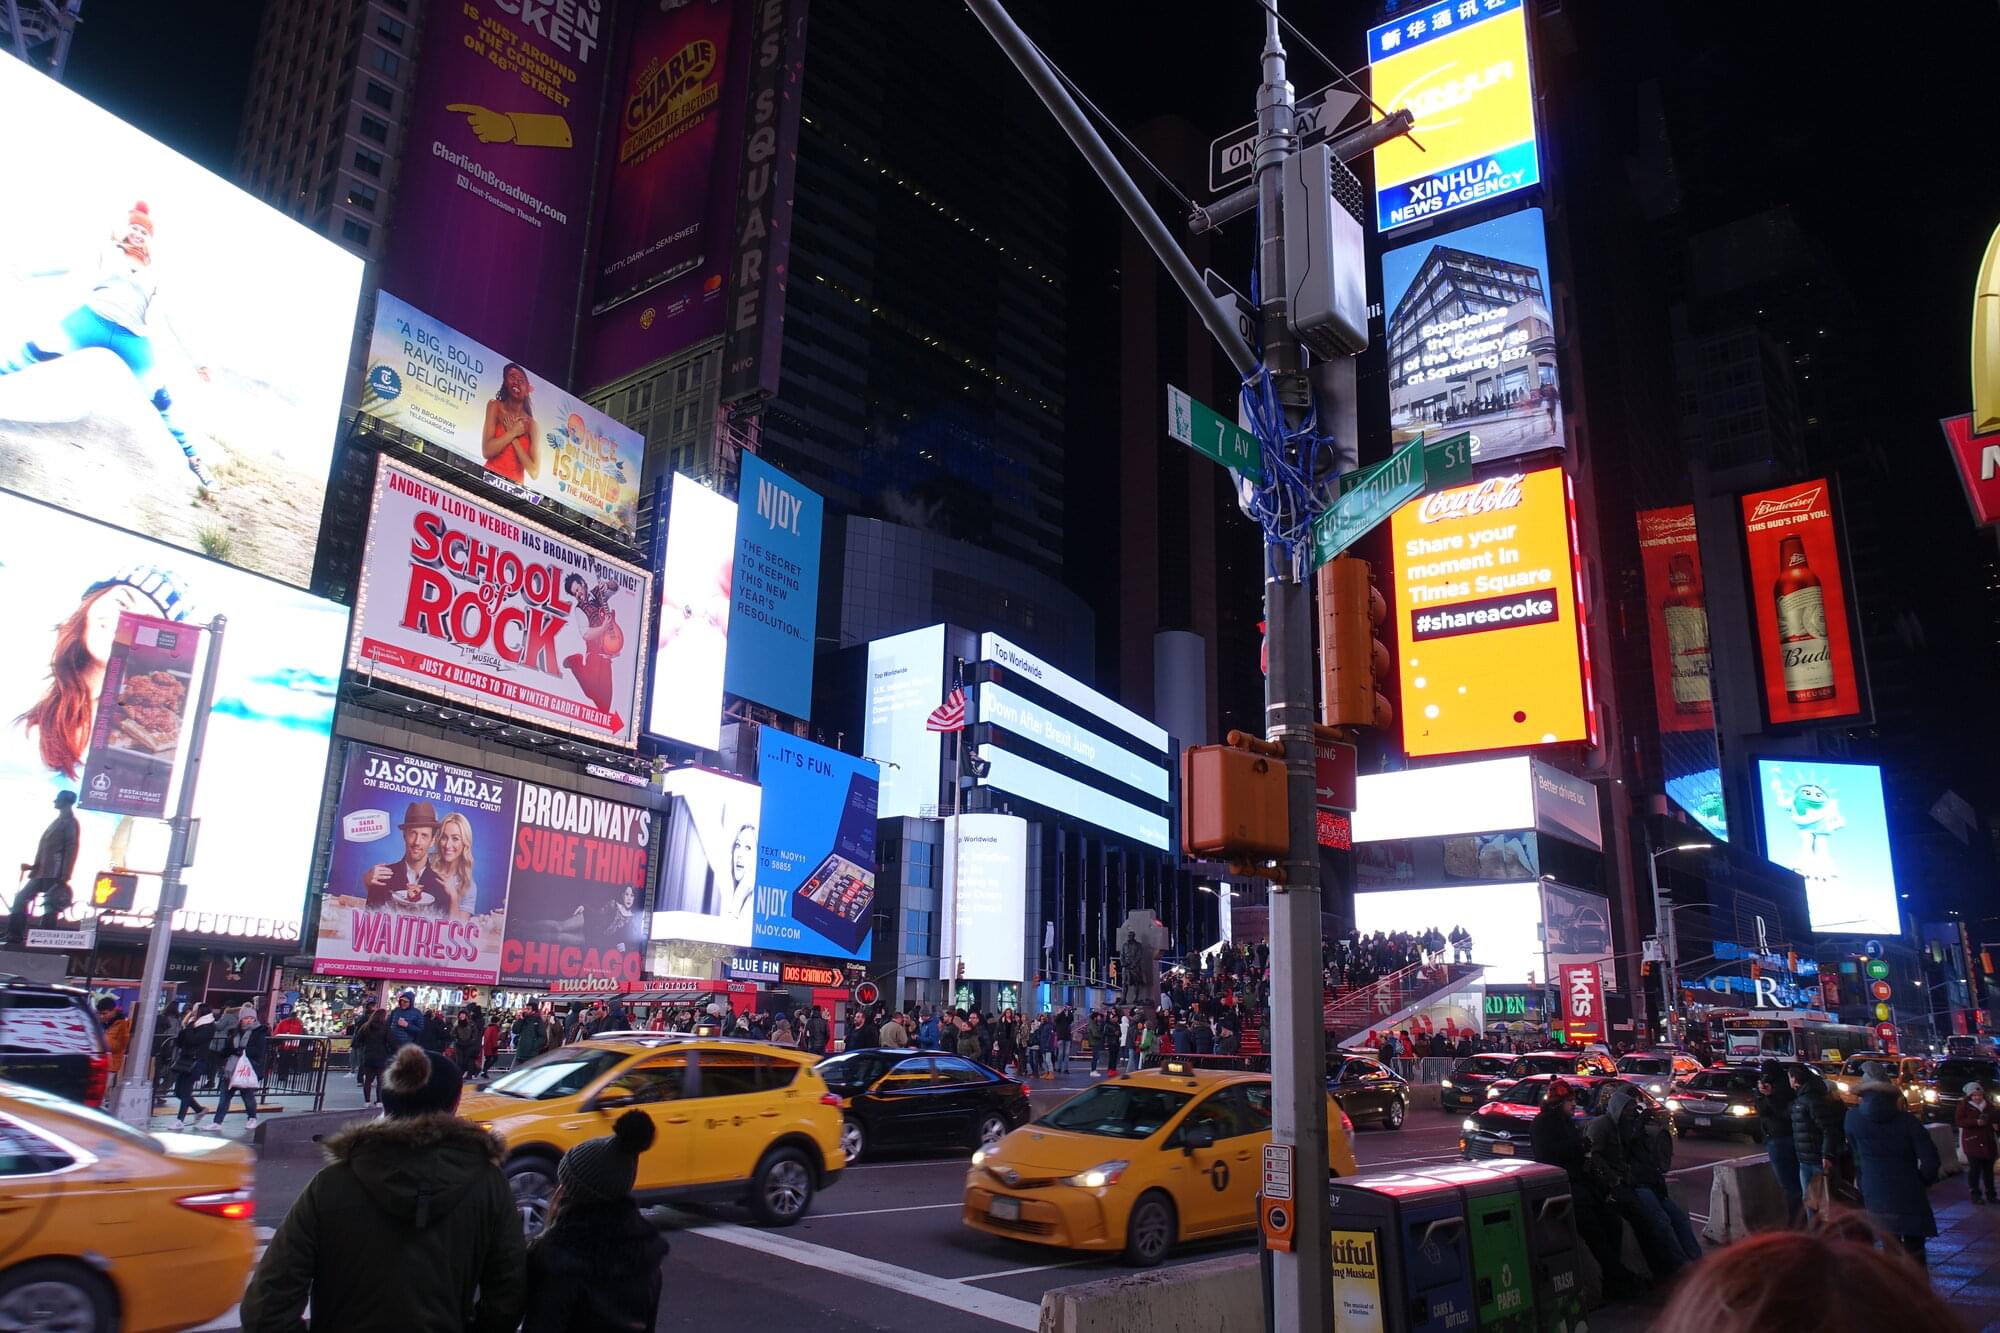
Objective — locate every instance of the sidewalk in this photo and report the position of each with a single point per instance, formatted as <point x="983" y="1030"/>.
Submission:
<point x="343" y="1093"/>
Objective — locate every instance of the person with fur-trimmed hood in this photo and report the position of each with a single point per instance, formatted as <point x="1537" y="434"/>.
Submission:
<point x="596" y="1266"/>
<point x="410" y="1228"/>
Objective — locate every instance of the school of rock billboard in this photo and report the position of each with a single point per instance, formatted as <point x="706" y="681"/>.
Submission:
<point x="470" y="604"/>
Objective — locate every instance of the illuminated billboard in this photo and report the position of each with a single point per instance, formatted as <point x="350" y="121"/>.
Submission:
<point x="499" y="153"/>
<point x="172" y="351"/>
<point x="264" y="757"/>
<point x="1489" y="617"/>
<point x="708" y="859"/>
<point x="1676" y="619"/>
<point x="905" y="682"/>
<point x="474" y="605"/>
<point x="1472" y="338"/>
<point x="1807" y="651"/>
<point x="985" y="896"/>
<point x="1505" y="922"/>
<point x="815" y="850"/>
<point x="1461" y="69"/>
<point x="696" y="578"/>
<point x="1830" y="823"/>
<point x="774" y="602"/>
<point x="529" y="434"/>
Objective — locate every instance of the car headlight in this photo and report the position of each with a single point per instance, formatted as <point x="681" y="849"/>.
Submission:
<point x="1656" y="1088"/>
<point x="1673" y="1103"/>
<point x="1930" y="1094"/>
<point x="979" y="1157"/>
<point x="1104" y="1173"/>
<point x="1840" y="1087"/>
<point x="1468" y="1126"/>
<point x="1444" y="1083"/>
<point x="1739" y="1109"/>
<point x="1493" y="1092"/>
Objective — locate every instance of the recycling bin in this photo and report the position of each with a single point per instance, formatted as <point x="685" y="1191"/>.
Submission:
<point x="1554" y="1247"/>
<point x="1400" y="1262"/>
<point x="1503" y="1284"/>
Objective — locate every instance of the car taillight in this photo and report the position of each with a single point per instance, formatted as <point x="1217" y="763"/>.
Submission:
<point x="828" y="1099"/>
<point x="234" y="1206"/>
<point x="1346" y="1125"/>
<point x="100" y="1075"/>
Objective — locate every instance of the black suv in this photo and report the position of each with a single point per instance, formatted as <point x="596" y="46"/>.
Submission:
<point x="50" y="1040"/>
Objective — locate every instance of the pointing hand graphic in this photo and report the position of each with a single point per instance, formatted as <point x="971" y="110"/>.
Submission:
<point x="490" y="126"/>
<point x="529" y="129"/>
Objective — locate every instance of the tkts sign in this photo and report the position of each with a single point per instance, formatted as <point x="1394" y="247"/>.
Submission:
<point x="1583" y="1002"/>
<point x="471" y="604"/>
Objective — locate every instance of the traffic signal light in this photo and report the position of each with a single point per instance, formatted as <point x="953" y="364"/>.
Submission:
<point x="1646" y="968"/>
<point x="1354" y="662"/>
<point x="1233" y="803"/>
<point x="114" y="891"/>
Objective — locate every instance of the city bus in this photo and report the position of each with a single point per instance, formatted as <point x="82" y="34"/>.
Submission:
<point x="1751" y="1040"/>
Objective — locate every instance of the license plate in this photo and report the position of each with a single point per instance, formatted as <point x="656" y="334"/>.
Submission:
<point x="1704" y="1121"/>
<point x="1503" y="1150"/>
<point x="1006" y="1210"/>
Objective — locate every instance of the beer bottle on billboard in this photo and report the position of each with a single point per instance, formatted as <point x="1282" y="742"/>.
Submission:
<point x="1686" y="617"/>
<point x="1806" y="653"/>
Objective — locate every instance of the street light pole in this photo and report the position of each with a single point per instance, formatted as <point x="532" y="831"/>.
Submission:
<point x="1663" y="923"/>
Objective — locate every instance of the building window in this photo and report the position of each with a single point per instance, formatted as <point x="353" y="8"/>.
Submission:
<point x="372" y="128"/>
<point x="386" y="62"/>
<point x="357" y="232"/>
<point x="362" y="196"/>
<point x="332" y="160"/>
<point x="390" y="30"/>
<point x="377" y="95"/>
<point x="368" y="160"/>
<point x="325" y="193"/>
<point x="916" y="932"/>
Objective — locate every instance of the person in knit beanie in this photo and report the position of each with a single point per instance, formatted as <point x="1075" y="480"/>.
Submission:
<point x="596" y="1266"/>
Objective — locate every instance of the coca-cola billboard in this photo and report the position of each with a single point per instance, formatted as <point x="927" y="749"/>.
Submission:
<point x="1807" y="651"/>
<point x="1676" y="619"/>
<point x="1489" y="617"/>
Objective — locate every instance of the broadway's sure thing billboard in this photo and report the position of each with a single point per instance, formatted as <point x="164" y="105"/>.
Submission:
<point x="696" y="579"/>
<point x="531" y="436"/>
<point x="265" y="752"/>
<point x="665" y="242"/>
<point x="1806" y="647"/>
<point x="172" y="350"/>
<point x="1462" y="70"/>
<point x="497" y="163"/>
<point x="1472" y="338"/>
<point x="815" y="849"/>
<point x="1489" y="617"/>
<point x="1830" y="823"/>
<point x="454" y="875"/>
<point x="476" y="606"/>
<point x="416" y="888"/>
<point x="774" y="606"/>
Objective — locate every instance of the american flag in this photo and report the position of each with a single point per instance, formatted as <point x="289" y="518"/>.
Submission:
<point x="949" y="715"/>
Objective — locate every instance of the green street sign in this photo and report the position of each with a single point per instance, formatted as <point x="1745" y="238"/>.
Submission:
<point x="1367" y="496"/>
<point x="1448" y="462"/>
<point x="1208" y="432"/>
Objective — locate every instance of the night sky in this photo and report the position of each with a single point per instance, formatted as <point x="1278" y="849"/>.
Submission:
<point x="1874" y="127"/>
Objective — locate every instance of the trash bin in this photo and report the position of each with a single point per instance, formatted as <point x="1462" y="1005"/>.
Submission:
<point x="1400" y="1263"/>
<point x="1553" y="1243"/>
<point x="1503" y="1284"/>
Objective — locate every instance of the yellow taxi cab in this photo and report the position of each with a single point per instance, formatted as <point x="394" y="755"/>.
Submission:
<point x="737" y="1121"/>
<point x="105" y="1228"/>
<point x="1137" y="1163"/>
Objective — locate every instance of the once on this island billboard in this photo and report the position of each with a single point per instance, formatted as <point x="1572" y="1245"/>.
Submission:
<point x="532" y="437"/>
<point x="172" y="351"/>
<point x="1806" y="647"/>
<point x="470" y="604"/>
<point x="498" y="159"/>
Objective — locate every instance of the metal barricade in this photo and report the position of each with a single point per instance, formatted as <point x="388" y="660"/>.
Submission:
<point x="299" y="1067"/>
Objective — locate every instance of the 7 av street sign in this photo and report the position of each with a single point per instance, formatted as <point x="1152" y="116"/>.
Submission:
<point x="1206" y="431"/>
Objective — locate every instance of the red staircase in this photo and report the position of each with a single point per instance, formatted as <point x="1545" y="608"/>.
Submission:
<point x="1353" y="1009"/>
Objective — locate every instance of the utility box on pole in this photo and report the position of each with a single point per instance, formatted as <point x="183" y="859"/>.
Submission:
<point x="1325" y="263"/>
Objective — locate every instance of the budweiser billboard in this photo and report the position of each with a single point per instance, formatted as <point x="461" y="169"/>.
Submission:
<point x="1677" y="619"/>
<point x="470" y="604"/>
<point x="1977" y="459"/>
<point x="1806" y="647"/>
<point x="1582" y="1002"/>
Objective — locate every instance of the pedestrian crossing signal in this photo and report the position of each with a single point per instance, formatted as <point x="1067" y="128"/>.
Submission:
<point x="114" y="892"/>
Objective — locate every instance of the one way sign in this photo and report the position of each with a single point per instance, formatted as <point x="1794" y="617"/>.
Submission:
<point x="1319" y="114"/>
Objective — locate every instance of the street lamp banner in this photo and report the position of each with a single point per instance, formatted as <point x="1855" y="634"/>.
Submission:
<point x="1808" y="652"/>
<point x="136" y="742"/>
<point x="1461" y="68"/>
<point x="1489" y="617"/>
<point x="153" y="313"/>
<point x="472" y="605"/>
<point x="431" y="381"/>
<point x="1471" y="332"/>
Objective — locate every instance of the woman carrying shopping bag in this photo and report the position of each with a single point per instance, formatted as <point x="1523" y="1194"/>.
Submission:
<point x="243" y="1069"/>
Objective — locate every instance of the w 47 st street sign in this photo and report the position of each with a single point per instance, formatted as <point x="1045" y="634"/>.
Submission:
<point x="1367" y="496"/>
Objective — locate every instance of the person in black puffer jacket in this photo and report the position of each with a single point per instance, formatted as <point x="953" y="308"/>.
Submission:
<point x="1818" y="1134"/>
<point x="1896" y="1160"/>
<point x="1555" y="1140"/>
<point x="596" y="1267"/>
<point x="1774" y="1120"/>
